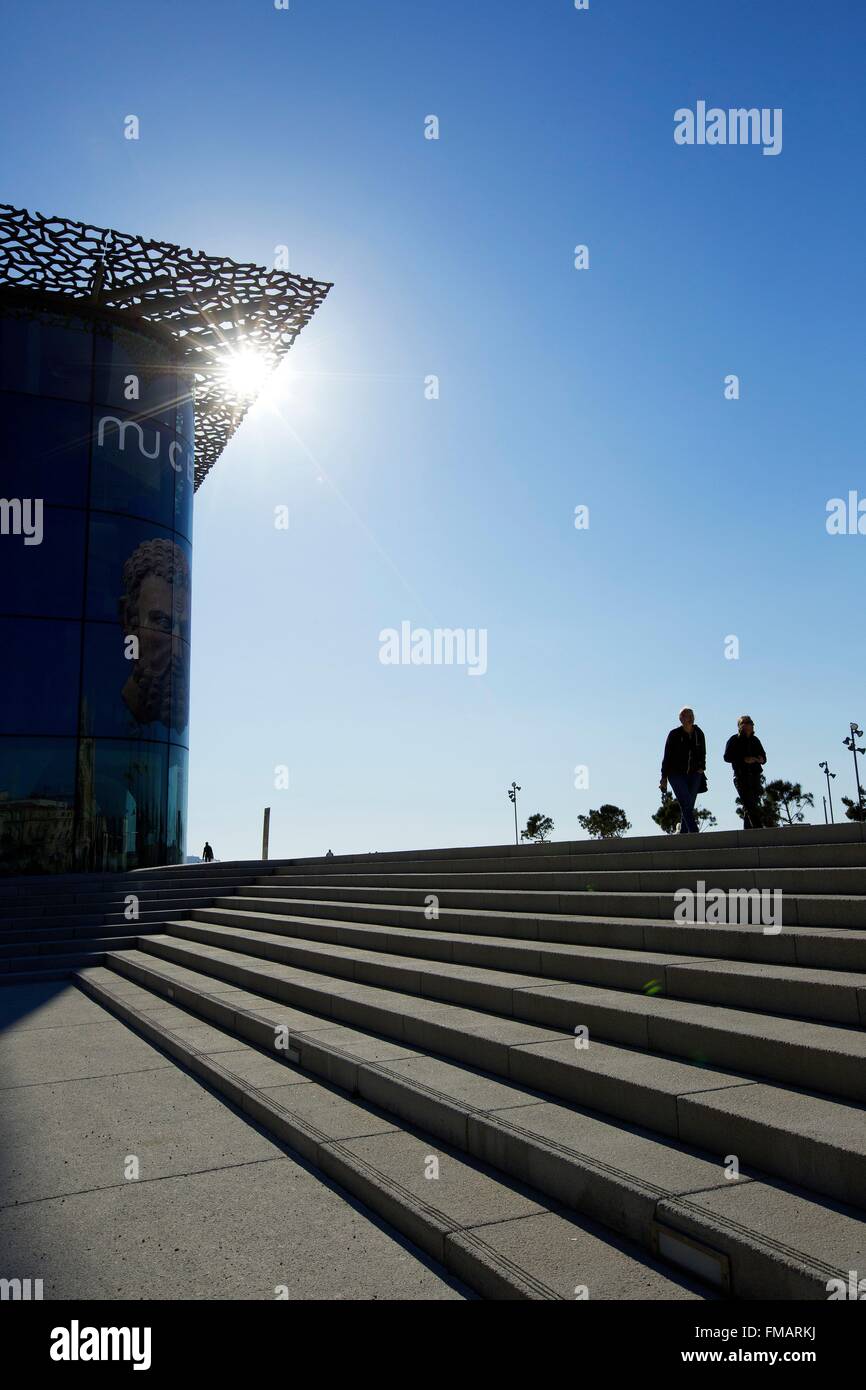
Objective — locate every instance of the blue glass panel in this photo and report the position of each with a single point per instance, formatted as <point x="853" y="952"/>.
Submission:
<point x="44" y="448"/>
<point x="39" y="684"/>
<point x="178" y="761"/>
<point x="122" y="791"/>
<point x="185" y="420"/>
<point x="124" y="554"/>
<point x="135" y="373"/>
<point x="46" y="355"/>
<point x="45" y="579"/>
<point x="139" y="583"/>
<point x="183" y="491"/>
<point x="135" y="462"/>
<point x="122" y="697"/>
<point x="37" y="792"/>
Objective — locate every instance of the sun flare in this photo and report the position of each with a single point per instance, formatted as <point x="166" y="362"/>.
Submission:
<point x="246" y="372"/>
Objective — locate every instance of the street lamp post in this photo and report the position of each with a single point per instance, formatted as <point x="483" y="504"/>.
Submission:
<point x="851" y="742"/>
<point x="828" y="774"/>
<point x="512" y="797"/>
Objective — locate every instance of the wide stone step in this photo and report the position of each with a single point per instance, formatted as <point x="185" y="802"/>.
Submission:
<point x="87" y="905"/>
<point x="625" y="1176"/>
<point x="74" y="886"/>
<point x="837" y="948"/>
<point x="829" y="1058"/>
<point x="834" y="997"/>
<point x="788" y="881"/>
<point x="629" y="1083"/>
<point x="824" y="910"/>
<point x="89" y="926"/>
<point x="848" y="832"/>
<point x="674" y="854"/>
<point x="29" y="954"/>
<point x="19" y="927"/>
<point x="501" y="1237"/>
<point x="831" y="948"/>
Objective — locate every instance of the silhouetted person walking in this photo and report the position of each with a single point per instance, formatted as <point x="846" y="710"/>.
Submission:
<point x="745" y="752"/>
<point x="684" y="765"/>
<point x="207" y="853"/>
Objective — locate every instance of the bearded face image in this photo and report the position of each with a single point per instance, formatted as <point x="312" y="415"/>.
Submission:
<point x="155" y="610"/>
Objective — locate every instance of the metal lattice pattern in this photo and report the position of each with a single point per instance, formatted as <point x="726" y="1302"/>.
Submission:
<point x="211" y="306"/>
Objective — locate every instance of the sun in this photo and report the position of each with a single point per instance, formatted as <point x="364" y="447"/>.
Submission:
<point x="245" y="372"/>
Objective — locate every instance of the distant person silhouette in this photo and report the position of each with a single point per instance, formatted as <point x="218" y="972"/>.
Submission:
<point x="207" y="854"/>
<point x="745" y="752"/>
<point x="684" y="765"/>
<point x="330" y="854"/>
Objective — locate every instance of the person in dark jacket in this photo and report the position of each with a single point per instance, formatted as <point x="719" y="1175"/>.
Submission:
<point x="745" y="752"/>
<point x="207" y="854"/>
<point x="684" y="765"/>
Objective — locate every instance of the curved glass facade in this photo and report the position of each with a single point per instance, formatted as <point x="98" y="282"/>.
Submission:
<point x="96" y="460"/>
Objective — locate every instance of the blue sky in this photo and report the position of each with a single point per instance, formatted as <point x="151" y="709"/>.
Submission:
<point x="558" y="387"/>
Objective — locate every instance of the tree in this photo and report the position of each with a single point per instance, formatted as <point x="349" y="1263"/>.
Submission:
<point x="607" y="823"/>
<point x="668" y="815"/>
<point x="852" y="810"/>
<point x="790" y="799"/>
<point x="538" y="827"/>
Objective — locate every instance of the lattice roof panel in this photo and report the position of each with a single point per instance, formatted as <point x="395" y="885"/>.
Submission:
<point x="211" y="306"/>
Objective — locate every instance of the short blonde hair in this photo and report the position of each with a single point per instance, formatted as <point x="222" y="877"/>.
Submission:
<point x="744" y="719"/>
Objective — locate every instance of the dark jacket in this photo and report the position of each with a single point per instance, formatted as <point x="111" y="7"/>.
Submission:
<point x="742" y="746"/>
<point x="684" y="753"/>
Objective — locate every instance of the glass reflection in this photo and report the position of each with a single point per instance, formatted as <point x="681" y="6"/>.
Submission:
<point x="134" y="462"/>
<point x="40" y="675"/>
<point x="178" y="764"/>
<point x="45" y="448"/>
<point x="121" y="804"/>
<point x="136" y="373"/>
<point x="37" y="796"/>
<point x="45" y="580"/>
<point x="47" y="355"/>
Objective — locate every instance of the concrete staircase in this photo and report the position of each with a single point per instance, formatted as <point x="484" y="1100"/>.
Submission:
<point x="53" y="924"/>
<point x="617" y="1102"/>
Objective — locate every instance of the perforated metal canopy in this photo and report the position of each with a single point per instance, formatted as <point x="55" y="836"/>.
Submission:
<point x="210" y="306"/>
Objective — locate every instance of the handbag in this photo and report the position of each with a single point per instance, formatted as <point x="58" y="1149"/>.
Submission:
<point x="702" y="785"/>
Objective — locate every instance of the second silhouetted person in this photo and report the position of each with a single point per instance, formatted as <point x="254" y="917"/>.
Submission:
<point x="745" y="752"/>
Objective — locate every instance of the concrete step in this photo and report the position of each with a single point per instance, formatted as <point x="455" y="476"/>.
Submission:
<point x="816" y="910"/>
<point x="830" y="948"/>
<point x="12" y="928"/>
<point x="781" y="1242"/>
<point x="505" y="1240"/>
<point x="39" y="969"/>
<point x="28" y="955"/>
<point x="54" y="912"/>
<point x="824" y="1057"/>
<point x="838" y="948"/>
<point x="787" y="837"/>
<point x="821" y="880"/>
<point x="827" y="996"/>
<point x="631" y="1084"/>
<point x="675" y="852"/>
<point x="66" y="888"/>
<point x="86" y="927"/>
